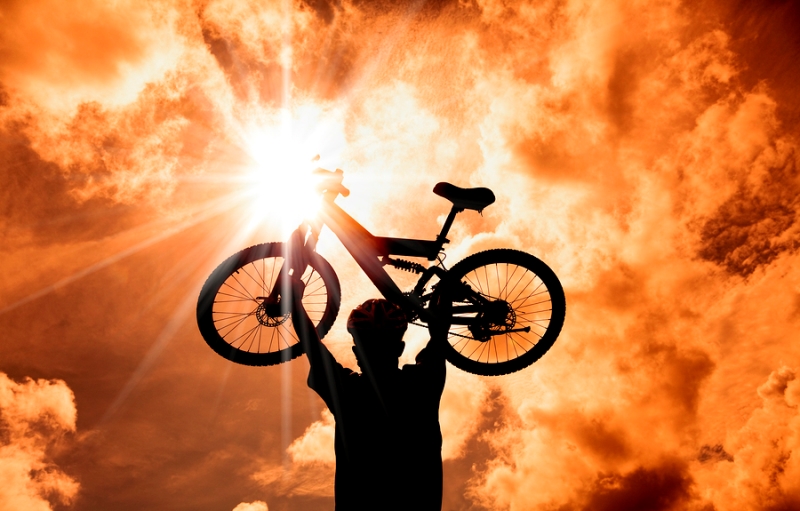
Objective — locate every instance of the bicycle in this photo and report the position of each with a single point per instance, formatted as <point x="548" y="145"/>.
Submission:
<point x="508" y="307"/>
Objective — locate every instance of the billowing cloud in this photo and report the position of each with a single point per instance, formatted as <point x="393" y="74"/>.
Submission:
<point x="758" y="468"/>
<point x="34" y="416"/>
<point x="316" y="444"/>
<point x="309" y="468"/>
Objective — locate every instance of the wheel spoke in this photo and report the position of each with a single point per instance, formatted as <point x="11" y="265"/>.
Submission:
<point x="239" y="293"/>
<point x="231" y="327"/>
<point x="523" y="288"/>
<point x="255" y="331"/>
<point x="256" y="281"/>
<point x="246" y="333"/>
<point x="497" y="278"/>
<point x="530" y="295"/>
<point x="272" y="277"/>
<point x="508" y="280"/>
<point x="233" y="301"/>
<point x="513" y="345"/>
<point x="246" y="292"/>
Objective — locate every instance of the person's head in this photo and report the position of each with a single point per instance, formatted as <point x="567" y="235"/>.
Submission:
<point x="377" y="327"/>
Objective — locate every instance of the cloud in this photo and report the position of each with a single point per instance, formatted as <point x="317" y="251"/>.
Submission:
<point x="258" y="505"/>
<point x="758" y="219"/>
<point x="464" y="402"/>
<point x="57" y="55"/>
<point x="127" y="155"/>
<point x="310" y="467"/>
<point x="762" y="470"/>
<point x="316" y="444"/>
<point x="34" y="415"/>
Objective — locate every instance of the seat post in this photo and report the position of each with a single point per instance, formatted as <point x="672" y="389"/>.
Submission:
<point x="442" y="237"/>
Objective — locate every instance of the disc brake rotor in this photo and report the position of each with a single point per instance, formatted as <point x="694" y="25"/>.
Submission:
<point x="272" y="314"/>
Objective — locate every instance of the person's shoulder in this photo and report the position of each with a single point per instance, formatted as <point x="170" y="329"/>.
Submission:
<point x="410" y="369"/>
<point x="423" y="370"/>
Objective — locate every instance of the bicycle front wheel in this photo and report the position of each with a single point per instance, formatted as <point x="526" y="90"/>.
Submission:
<point x="508" y="309"/>
<point x="235" y="319"/>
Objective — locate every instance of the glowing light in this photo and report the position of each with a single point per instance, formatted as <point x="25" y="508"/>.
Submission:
<point x="280" y="184"/>
<point x="281" y="145"/>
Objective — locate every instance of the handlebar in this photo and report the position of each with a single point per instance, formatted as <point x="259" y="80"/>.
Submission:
<point x="330" y="181"/>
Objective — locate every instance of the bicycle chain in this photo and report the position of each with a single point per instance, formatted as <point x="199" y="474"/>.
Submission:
<point x="451" y="333"/>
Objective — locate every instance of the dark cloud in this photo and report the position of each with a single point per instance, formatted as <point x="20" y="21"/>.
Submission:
<point x="325" y="9"/>
<point x="322" y="51"/>
<point x="713" y="453"/>
<point x="753" y="227"/>
<point x="4" y="98"/>
<point x="37" y="200"/>
<point x="661" y="488"/>
<point x="760" y="29"/>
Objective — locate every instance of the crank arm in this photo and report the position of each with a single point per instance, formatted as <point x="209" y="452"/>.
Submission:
<point x="525" y="329"/>
<point x="485" y="336"/>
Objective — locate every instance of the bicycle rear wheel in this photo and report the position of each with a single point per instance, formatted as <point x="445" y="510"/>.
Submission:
<point x="236" y="322"/>
<point x="508" y="309"/>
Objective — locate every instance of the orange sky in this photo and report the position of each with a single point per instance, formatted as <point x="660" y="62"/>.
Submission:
<point x="647" y="151"/>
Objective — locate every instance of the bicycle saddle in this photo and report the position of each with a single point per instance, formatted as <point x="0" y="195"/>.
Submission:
<point x="465" y="198"/>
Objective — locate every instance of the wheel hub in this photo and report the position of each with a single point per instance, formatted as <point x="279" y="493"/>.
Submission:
<point x="497" y="317"/>
<point x="272" y="314"/>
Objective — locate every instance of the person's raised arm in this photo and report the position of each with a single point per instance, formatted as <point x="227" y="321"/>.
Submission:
<point x="432" y="355"/>
<point x="325" y="372"/>
<point x="303" y="326"/>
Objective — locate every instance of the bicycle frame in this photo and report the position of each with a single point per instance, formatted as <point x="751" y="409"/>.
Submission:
<point x="496" y="292"/>
<point x="370" y="252"/>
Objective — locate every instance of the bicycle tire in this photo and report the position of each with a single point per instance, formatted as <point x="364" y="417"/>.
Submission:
<point x="233" y="321"/>
<point x="491" y="273"/>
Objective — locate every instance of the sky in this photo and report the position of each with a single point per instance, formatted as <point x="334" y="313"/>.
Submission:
<point x="647" y="151"/>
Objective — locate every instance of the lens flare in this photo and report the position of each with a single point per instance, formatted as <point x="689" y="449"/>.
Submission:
<point x="280" y="185"/>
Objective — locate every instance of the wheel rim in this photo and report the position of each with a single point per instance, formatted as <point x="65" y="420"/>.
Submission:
<point x="529" y="306"/>
<point x="245" y="322"/>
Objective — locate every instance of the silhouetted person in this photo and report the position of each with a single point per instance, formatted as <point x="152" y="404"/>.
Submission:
<point x="388" y="440"/>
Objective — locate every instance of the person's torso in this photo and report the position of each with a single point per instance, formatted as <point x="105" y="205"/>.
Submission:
<point x="388" y="439"/>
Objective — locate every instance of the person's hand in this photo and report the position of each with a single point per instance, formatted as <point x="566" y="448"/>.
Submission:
<point x="439" y="325"/>
<point x="302" y="323"/>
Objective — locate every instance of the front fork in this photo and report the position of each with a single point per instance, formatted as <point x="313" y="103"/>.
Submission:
<point x="295" y="263"/>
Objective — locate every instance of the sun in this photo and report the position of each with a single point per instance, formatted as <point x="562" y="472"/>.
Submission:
<point x="279" y="182"/>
